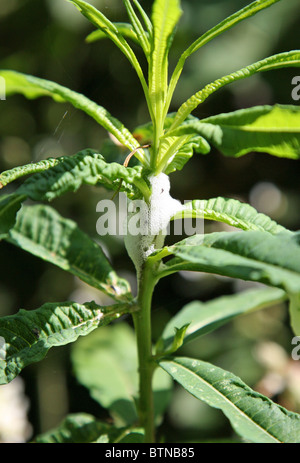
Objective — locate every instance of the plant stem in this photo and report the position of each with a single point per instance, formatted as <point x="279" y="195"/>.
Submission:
<point x="142" y="323"/>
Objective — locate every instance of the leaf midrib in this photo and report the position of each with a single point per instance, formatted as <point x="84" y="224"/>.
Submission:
<point x="227" y="400"/>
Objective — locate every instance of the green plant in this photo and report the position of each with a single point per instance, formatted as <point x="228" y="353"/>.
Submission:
<point x="264" y="252"/>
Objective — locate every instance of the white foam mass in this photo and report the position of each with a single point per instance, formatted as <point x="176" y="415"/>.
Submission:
<point x="154" y="221"/>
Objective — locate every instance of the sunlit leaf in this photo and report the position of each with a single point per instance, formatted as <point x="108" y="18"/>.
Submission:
<point x="269" y="129"/>
<point x="246" y="12"/>
<point x="230" y="211"/>
<point x="29" y="334"/>
<point x="249" y="255"/>
<point x="281" y="60"/>
<point x="252" y="415"/>
<point x="34" y="87"/>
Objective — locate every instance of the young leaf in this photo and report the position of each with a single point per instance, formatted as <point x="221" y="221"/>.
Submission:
<point x="139" y="30"/>
<point x="268" y="129"/>
<point x="145" y="18"/>
<point x="125" y="29"/>
<point x="41" y="231"/>
<point x="29" y="334"/>
<point x="281" y="60"/>
<point x="226" y="24"/>
<point x="174" y="152"/>
<point x="165" y="16"/>
<point x="250" y="255"/>
<point x="34" y="87"/>
<point x="54" y="177"/>
<point x="103" y="23"/>
<point x="77" y="428"/>
<point x="252" y="415"/>
<point x="9" y="206"/>
<point x="204" y="317"/>
<point x="176" y="342"/>
<point x="106" y="363"/>
<point x="231" y="212"/>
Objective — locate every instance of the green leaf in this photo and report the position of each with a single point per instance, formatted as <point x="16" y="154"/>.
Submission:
<point x="165" y="16"/>
<point x="41" y="231"/>
<point x="253" y="416"/>
<point x="55" y="177"/>
<point x="34" y="87"/>
<point x="281" y="60"/>
<point x="82" y="428"/>
<point x="8" y="176"/>
<point x="176" y="342"/>
<point x="106" y="363"/>
<point x="204" y="317"/>
<point x="103" y="23"/>
<point x="139" y="30"/>
<point x="9" y="206"/>
<point x="250" y="255"/>
<point x="268" y="129"/>
<point x="144" y="16"/>
<point x="77" y="428"/>
<point x="174" y="152"/>
<point x="125" y="29"/>
<point x="294" y="308"/>
<point x="226" y="24"/>
<point x="29" y="334"/>
<point x="231" y="212"/>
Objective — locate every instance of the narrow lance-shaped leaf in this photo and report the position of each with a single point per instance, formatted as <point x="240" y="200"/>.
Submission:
<point x="144" y="16"/>
<point x="281" y="60"/>
<point x="102" y="22"/>
<point x="29" y="334"/>
<point x="252" y="415"/>
<point x="41" y="231"/>
<point x="231" y="212"/>
<point x="139" y="30"/>
<point x="269" y="129"/>
<point x="34" y="87"/>
<point x="250" y="255"/>
<point x="249" y="10"/>
<point x="56" y="176"/>
<point x="125" y="29"/>
<point x="204" y="317"/>
<point x="165" y="16"/>
<point x="15" y="173"/>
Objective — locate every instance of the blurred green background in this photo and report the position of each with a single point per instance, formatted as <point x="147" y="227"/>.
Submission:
<point x="46" y="38"/>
